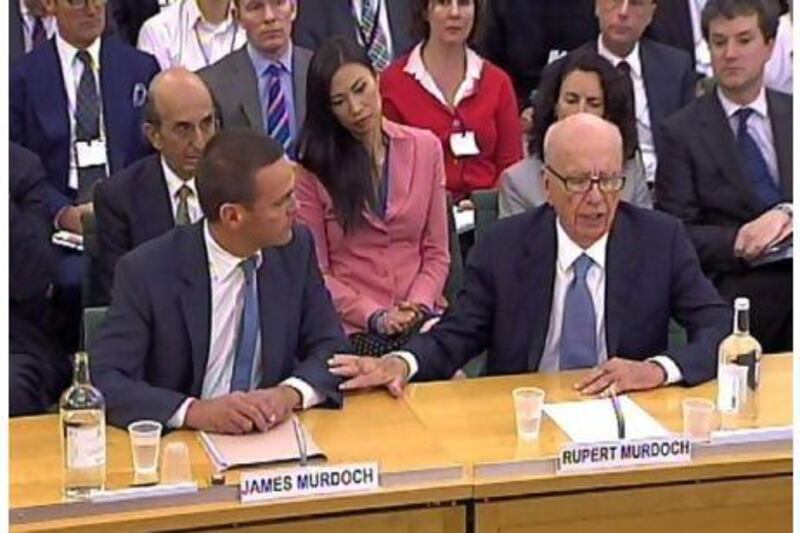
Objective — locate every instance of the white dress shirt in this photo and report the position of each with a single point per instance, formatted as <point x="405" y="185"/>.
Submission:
<point x="416" y="67"/>
<point x="180" y="36"/>
<point x="758" y="126"/>
<point x="227" y="303"/>
<point x="174" y="183"/>
<point x="72" y="70"/>
<point x="778" y="72"/>
<point x="28" y="21"/>
<point x="643" y="126"/>
<point x="383" y="21"/>
<point x="567" y="252"/>
<point x="702" y="55"/>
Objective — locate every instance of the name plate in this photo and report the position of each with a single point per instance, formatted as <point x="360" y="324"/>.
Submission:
<point x="300" y="481"/>
<point x="589" y="456"/>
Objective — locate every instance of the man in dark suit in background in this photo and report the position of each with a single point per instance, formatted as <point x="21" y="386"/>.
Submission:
<point x="29" y="25"/>
<point x="382" y="27"/>
<point x="662" y="76"/>
<point x="158" y="192"/>
<point x="520" y="34"/>
<point x="130" y="15"/>
<point x="76" y="102"/>
<point x="586" y="283"/>
<point x="726" y="170"/>
<point x="224" y="325"/>
<point x="270" y="68"/>
<point x="37" y="372"/>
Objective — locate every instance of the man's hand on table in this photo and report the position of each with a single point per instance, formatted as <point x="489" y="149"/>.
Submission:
<point x="242" y="412"/>
<point x="368" y="372"/>
<point x="624" y="374"/>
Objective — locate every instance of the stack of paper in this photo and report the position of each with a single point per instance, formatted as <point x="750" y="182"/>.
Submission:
<point x="278" y="445"/>
<point x="595" y="421"/>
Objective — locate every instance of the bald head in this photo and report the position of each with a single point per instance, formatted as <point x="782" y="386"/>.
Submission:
<point x="179" y="119"/>
<point x="580" y="132"/>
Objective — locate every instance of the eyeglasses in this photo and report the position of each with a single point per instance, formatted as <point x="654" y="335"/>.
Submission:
<point x="80" y="4"/>
<point x="582" y="184"/>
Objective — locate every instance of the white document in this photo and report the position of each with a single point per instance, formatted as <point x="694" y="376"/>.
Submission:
<point x="465" y="220"/>
<point x="594" y="420"/>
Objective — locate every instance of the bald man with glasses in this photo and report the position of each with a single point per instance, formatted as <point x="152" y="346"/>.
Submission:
<point x="586" y="281"/>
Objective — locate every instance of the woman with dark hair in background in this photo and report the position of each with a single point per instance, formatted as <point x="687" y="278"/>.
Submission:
<point x="587" y="83"/>
<point x="372" y="193"/>
<point x="446" y="87"/>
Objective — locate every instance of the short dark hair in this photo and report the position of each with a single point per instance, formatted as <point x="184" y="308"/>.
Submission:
<point x="617" y="98"/>
<point x="421" y="28"/>
<point x="227" y="171"/>
<point x="768" y="12"/>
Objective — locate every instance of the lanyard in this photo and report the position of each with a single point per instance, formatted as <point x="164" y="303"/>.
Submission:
<point x="367" y="41"/>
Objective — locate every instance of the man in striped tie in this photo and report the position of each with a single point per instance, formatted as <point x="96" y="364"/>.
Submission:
<point x="262" y="85"/>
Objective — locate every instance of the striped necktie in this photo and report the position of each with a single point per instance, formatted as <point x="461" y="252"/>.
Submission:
<point x="374" y="38"/>
<point x="278" y="126"/>
<point x="755" y="164"/>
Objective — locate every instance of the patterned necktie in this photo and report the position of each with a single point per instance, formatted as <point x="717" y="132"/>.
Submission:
<point x="372" y="33"/>
<point x="87" y="124"/>
<point x="755" y="164"/>
<point x="578" y="346"/>
<point x="248" y="330"/>
<point x="38" y="34"/>
<point x="182" y="213"/>
<point x="278" y="126"/>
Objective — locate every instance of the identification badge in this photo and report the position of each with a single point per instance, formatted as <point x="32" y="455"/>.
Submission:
<point x="90" y="153"/>
<point x="464" y="144"/>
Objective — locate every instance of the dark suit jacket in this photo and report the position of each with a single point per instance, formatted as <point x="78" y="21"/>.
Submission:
<point x="151" y="351"/>
<point x="31" y="267"/>
<point x="672" y="25"/>
<point x="669" y="80"/>
<point x="701" y="179"/>
<point x="520" y="34"/>
<point x="652" y="274"/>
<point x="129" y="16"/>
<point x="39" y="118"/>
<point x="318" y="20"/>
<point x="16" y="32"/>
<point x="130" y="208"/>
<point x="234" y="86"/>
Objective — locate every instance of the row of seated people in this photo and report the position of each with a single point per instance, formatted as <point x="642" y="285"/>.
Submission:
<point x="386" y="275"/>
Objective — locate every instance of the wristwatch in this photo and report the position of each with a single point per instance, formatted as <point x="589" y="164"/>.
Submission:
<point x="786" y="208"/>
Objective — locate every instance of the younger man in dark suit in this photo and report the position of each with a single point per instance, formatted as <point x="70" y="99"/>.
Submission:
<point x="224" y="325"/>
<point x="587" y="283"/>
<point x="154" y="194"/>
<point x="727" y="169"/>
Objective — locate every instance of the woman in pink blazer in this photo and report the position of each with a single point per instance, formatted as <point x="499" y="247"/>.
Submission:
<point x="373" y="194"/>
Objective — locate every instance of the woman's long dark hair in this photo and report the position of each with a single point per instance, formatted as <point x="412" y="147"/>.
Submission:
<point x="617" y="98"/>
<point x="328" y="149"/>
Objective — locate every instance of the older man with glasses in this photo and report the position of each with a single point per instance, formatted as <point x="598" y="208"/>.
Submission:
<point x="584" y="282"/>
<point x="76" y="101"/>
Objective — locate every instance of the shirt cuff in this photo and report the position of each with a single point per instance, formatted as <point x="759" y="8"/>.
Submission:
<point x="308" y="396"/>
<point x="411" y="361"/>
<point x="674" y="374"/>
<point x="178" y="418"/>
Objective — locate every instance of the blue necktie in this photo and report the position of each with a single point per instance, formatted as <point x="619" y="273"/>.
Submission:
<point x="278" y="126"/>
<point x="578" y="346"/>
<point x="755" y="164"/>
<point x="248" y="330"/>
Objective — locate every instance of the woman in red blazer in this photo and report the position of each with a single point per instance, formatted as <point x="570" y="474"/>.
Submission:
<point x="372" y="193"/>
<point x="466" y="101"/>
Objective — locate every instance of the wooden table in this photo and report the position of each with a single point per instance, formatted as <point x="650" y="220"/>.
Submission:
<point x="743" y="488"/>
<point x="450" y="461"/>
